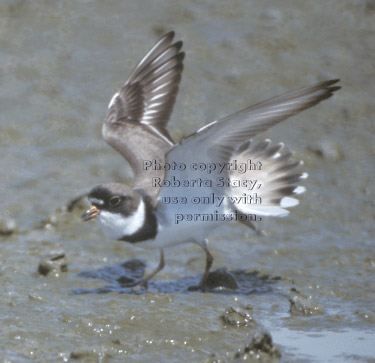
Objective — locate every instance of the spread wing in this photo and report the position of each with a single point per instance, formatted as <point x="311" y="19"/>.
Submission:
<point x="138" y="114"/>
<point x="215" y="141"/>
<point x="226" y="140"/>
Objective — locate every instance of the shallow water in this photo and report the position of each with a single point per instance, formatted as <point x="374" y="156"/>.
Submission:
<point x="60" y="63"/>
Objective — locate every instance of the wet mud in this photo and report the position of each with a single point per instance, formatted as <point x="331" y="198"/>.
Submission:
<point x="296" y="289"/>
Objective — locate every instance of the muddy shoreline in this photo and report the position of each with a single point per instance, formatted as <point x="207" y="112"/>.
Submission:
<point x="297" y="289"/>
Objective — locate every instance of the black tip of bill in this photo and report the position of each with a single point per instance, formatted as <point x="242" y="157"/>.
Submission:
<point x="91" y="213"/>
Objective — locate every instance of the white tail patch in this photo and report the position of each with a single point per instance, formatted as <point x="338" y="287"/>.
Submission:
<point x="264" y="210"/>
<point x="275" y="179"/>
<point x="288" y="202"/>
<point x="299" y="190"/>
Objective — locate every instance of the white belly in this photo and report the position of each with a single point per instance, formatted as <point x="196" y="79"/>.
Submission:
<point x="171" y="231"/>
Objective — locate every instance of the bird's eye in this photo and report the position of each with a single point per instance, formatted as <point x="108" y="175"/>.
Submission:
<point x="114" y="201"/>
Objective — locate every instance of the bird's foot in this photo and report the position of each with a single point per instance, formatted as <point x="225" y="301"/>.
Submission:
<point x="137" y="285"/>
<point x="142" y="284"/>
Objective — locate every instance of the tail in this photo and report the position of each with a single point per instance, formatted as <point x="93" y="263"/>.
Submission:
<point x="269" y="187"/>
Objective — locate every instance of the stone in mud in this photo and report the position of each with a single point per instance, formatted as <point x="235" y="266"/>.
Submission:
<point x="239" y="316"/>
<point x="327" y="149"/>
<point x="259" y="347"/>
<point x="215" y="358"/>
<point x="79" y="203"/>
<point x="303" y="306"/>
<point x="35" y="297"/>
<point x="7" y="226"/>
<point x="54" y="262"/>
<point x="89" y="356"/>
<point x="221" y="278"/>
<point x="66" y="214"/>
<point x="134" y="270"/>
<point x="124" y="280"/>
<point x="367" y="316"/>
<point x="134" y="265"/>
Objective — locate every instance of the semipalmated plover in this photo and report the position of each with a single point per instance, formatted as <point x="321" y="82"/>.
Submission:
<point x="182" y="191"/>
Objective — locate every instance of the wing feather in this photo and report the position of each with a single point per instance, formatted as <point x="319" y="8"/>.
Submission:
<point x="224" y="135"/>
<point x="228" y="140"/>
<point x="138" y="113"/>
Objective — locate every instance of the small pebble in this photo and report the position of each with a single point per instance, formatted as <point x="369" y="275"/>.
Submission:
<point x="7" y="226"/>
<point x="303" y="306"/>
<point x="220" y="279"/>
<point x="35" y="297"/>
<point x="239" y="316"/>
<point x="134" y="265"/>
<point x="327" y="149"/>
<point x="134" y="270"/>
<point x="272" y="15"/>
<point x="79" y="203"/>
<point x="54" y="262"/>
<point x="259" y="347"/>
<point x="367" y="316"/>
<point x="84" y="355"/>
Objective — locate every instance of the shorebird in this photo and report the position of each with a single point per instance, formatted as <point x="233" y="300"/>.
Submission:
<point x="235" y="179"/>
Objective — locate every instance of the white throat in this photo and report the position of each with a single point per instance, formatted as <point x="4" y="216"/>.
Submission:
<point x="116" y="225"/>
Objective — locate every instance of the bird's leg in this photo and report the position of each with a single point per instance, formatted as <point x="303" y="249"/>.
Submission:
<point x="144" y="281"/>
<point x="209" y="261"/>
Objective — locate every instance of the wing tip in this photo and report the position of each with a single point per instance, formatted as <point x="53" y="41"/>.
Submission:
<point x="178" y="45"/>
<point x="328" y="85"/>
<point x="169" y="35"/>
<point x="333" y="81"/>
